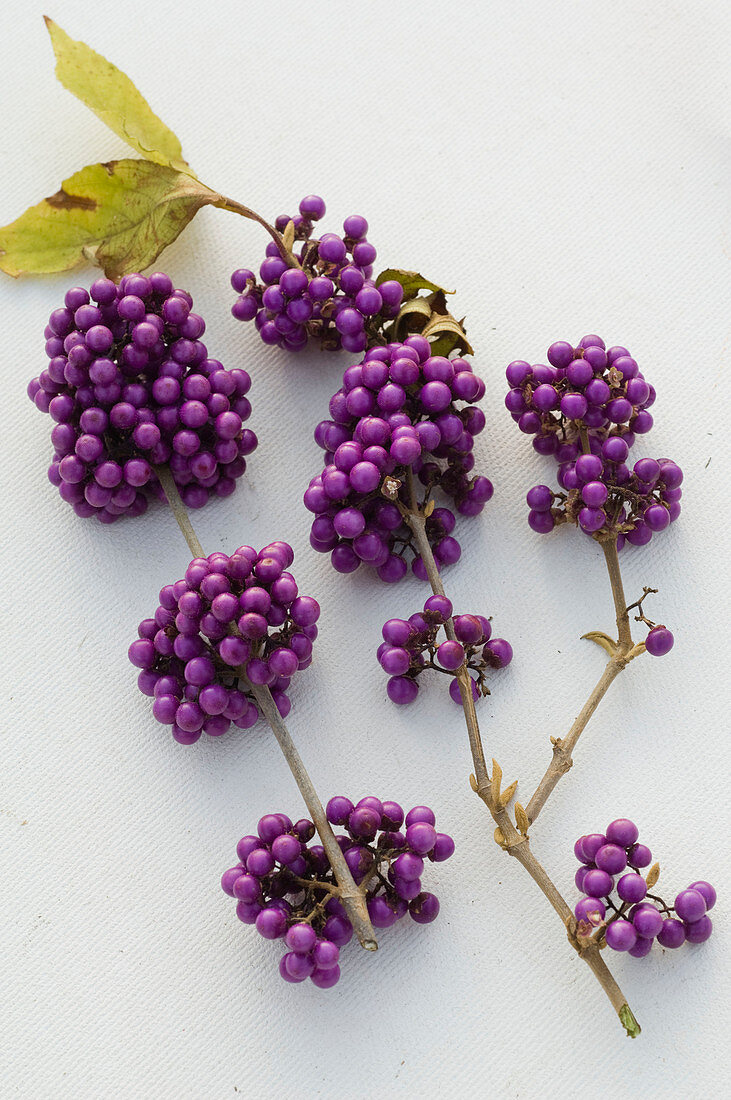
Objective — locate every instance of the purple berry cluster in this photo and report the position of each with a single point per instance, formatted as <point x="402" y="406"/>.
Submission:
<point x="285" y="886"/>
<point x="606" y="498"/>
<point x="228" y="617"/>
<point x="330" y="293"/>
<point x="585" y="410"/>
<point x="633" y="919"/>
<point x="130" y="386"/>
<point x="410" y="646"/>
<point x="396" y="411"/>
<point x="590" y="386"/>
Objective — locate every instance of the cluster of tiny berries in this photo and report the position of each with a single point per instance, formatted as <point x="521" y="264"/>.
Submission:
<point x="636" y="918"/>
<point x="585" y="410"/>
<point x="228" y="617"/>
<point x="590" y="386"/>
<point x="130" y="386"/>
<point x="396" y="412"/>
<point x="286" y="888"/>
<point x="410" y="646"/>
<point x="603" y="495"/>
<point x="330" y="295"/>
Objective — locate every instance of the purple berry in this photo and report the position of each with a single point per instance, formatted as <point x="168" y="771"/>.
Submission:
<point x="591" y="910"/>
<point x="598" y="884"/>
<point x="425" y="908"/>
<point x="621" y="935"/>
<point x="639" y="855"/>
<point x="622" y="832"/>
<point x="690" y="905"/>
<point x="647" y="920"/>
<point x="699" y="931"/>
<point x="632" y="888"/>
<point x="672" y="933"/>
<point x="707" y="891"/>
<point x="659" y="641"/>
<point x="611" y="858"/>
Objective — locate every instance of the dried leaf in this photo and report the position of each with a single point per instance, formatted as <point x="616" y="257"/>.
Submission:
<point x="495" y="782"/>
<point x="521" y="819"/>
<point x="412" y="316"/>
<point x="652" y="875"/>
<point x="450" y="334"/>
<point x="112" y="96"/>
<point x="288" y="235"/>
<point x="119" y="215"/>
<point x="508" y="792"/>
<point x="390" y="487"/>
<point x="431" y="317"/>
<point x="411" y="281"/>
<point x="603" y="640"/>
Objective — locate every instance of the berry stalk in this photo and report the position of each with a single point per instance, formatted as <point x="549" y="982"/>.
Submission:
<point x="621" y="653"/>
<point x="488" y="787"/>
<point x="352" y="896"/>
<point x="246" y="212"/>
<point x="179" y="510"/>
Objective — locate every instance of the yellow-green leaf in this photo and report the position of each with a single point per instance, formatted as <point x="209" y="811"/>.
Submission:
<point x="119" y="215"/>
<point x="411" y="281"/>
<point x="111" y="95"/>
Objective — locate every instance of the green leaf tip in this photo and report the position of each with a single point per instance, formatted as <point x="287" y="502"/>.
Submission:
<point x="629" y="1022"/>
<point x="112" y="96"/>
<point x="119" y="215"/>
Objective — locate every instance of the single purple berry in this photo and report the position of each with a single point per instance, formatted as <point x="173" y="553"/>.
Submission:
<point x="690" y="905"/>
<point x="708" y="892"/>
<point x="672" y="933"/>
<point x="647" y="920"/>
<point x="639" y="855"/>
<point x="622" y="832"/>
<point x="421" y="837"/>
<point x="632" y="888"/>
<point x="598" y="884"/>
<point x="425" y="908"/>
<point x="641" y="948"/>
<point x="611" y="858"/>
<point x="699" y="931"/>
<point x="591" y="910"/>
<point x="591" y="844"/>
<point x="621" y="935"/>
<point x="659" y="641"/>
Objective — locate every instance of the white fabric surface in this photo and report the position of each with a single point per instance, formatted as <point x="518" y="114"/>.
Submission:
<point x="564" y="166"/>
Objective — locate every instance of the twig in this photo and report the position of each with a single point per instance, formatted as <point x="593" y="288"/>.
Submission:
<point x="487" y="788"/>
<point x="622" y="654"/>
<point x="353" y="898"/>
<point x="178" y="509"/>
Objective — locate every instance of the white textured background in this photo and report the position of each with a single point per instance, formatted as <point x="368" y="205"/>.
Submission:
<point x="564" y="165"/>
